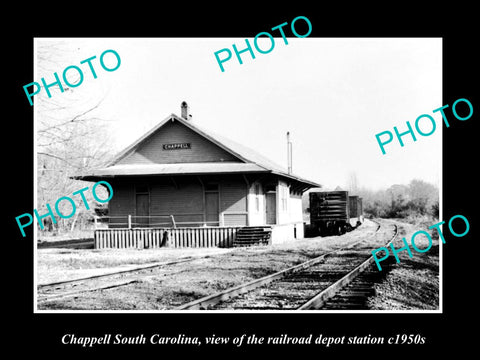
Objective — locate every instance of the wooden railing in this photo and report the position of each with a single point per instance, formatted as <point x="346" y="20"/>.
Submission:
<point x="151" y="221"/>
<point x="143" y="238"/>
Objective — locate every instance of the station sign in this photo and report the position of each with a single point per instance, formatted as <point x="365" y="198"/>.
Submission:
<point x="176" y="146"/>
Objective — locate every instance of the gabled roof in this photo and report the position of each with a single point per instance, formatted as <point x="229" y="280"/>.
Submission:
<point x="250" y="160"/>
<point x="129" y="149"/>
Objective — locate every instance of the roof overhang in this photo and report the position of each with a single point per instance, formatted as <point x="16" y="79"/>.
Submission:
<point x="127" y="170"/>
<point x="179" y="169"/>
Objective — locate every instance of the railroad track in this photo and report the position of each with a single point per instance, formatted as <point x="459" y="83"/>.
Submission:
<point x="287" y="289"/>
<point x="354" y="296"/>
<point x="310" y="285"/>
<point x="76" y="287"/>
<point x="86" y="243"/>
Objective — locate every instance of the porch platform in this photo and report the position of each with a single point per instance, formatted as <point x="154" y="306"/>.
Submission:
<point x="191" y="237"/>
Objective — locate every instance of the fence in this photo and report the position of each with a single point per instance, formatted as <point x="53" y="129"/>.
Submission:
<point x="144" y="238"/>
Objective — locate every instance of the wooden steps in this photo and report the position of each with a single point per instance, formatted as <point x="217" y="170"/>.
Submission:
<point x="253" y="235"/>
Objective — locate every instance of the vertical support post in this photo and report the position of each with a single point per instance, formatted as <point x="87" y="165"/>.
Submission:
<point x="95" y="221"/>
<point x="222" y="219"/>
<point x="129" y="221"/>
<point x="173" y="221"/>
<point x="203" y="201"/>
<point x="247" y="199"/>
<point x="278" y="202"/>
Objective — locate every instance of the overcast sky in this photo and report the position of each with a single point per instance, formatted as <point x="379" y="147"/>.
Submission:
<point x="332" y="94"/>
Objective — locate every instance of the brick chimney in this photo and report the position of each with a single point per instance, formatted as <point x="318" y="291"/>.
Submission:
<point x="185" y="111"/>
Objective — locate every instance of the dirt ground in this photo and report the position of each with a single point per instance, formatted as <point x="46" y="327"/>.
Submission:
<point x="64" y="264"/>
<point x="55" y="265"/>
<point x="171" y="286"/>
<point x="414" y="282"/>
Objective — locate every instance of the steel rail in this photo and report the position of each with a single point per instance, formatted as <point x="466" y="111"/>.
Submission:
<point x="322" y="297"/>
<point x="235" y="291"/>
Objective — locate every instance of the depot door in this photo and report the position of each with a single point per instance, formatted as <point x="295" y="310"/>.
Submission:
<point x="271" y="208"/>
<point x="211" y="208"/>
<point x="142" y="211"/>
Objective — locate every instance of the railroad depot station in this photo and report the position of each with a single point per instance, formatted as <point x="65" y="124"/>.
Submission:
<point x="179" y="185"/>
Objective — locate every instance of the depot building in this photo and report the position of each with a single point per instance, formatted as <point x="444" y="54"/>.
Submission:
<point x="180" y="185"/>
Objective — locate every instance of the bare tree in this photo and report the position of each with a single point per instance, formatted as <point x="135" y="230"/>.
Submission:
<point x="70" y="139"/>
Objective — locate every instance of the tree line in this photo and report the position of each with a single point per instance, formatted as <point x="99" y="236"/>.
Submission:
<point x="418" y="198"/>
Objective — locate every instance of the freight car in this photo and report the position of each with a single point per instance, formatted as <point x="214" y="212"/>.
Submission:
<point x="335" y="212"/>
